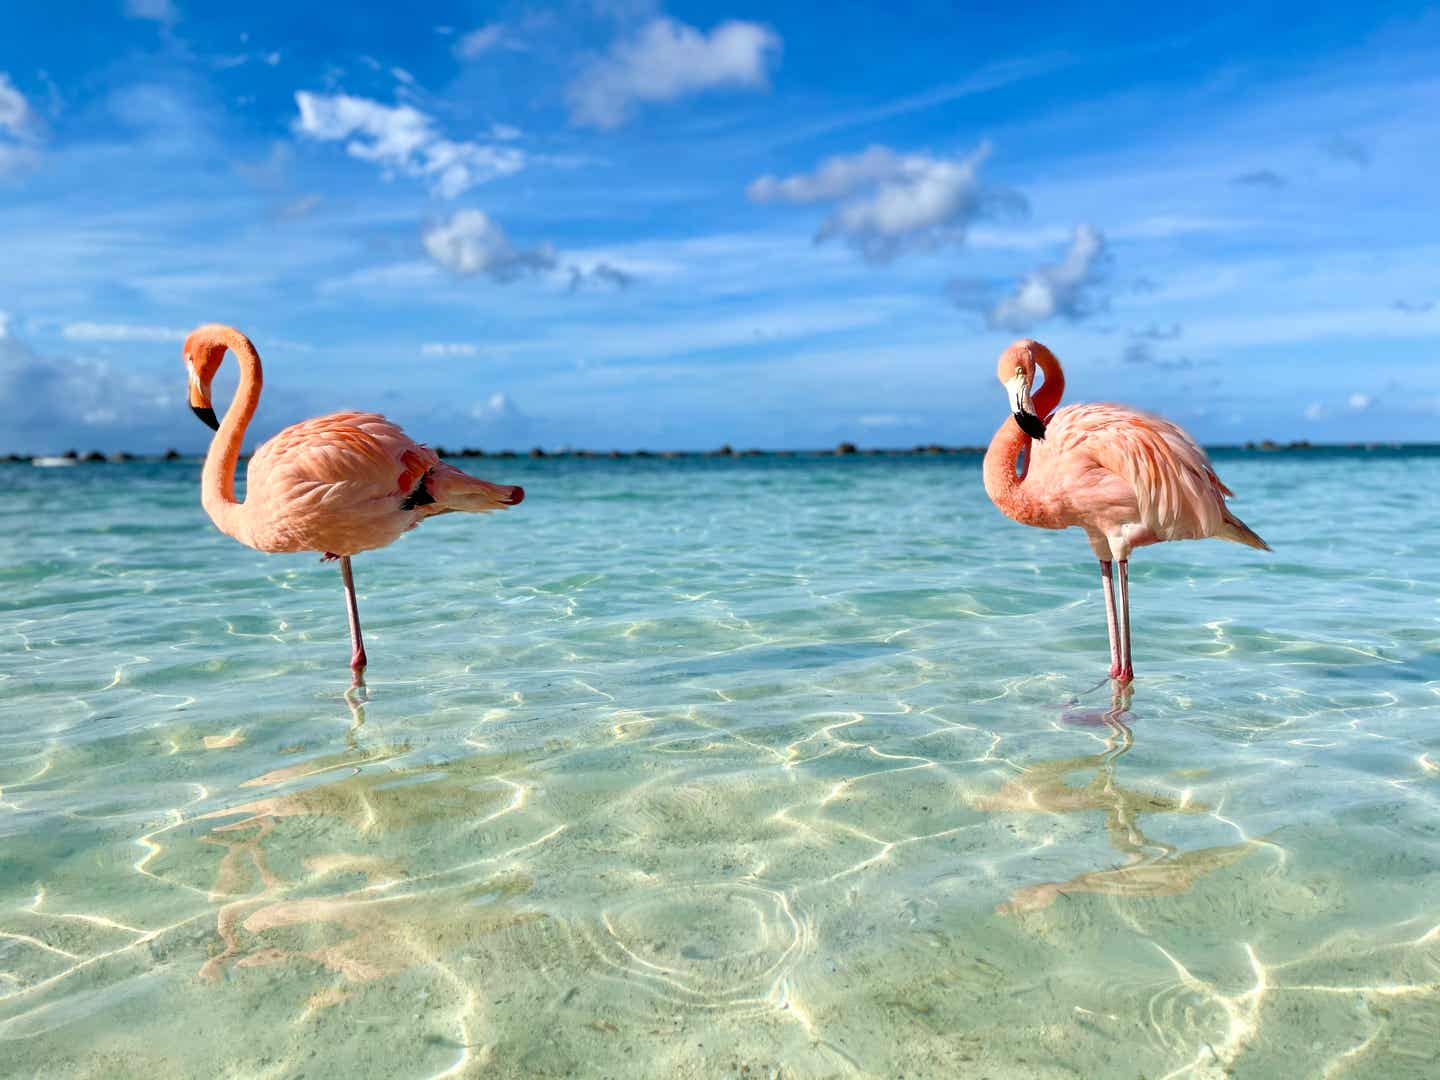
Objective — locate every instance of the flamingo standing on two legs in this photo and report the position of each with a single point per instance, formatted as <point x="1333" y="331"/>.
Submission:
<point x="1128" y="478"/>
<point x="337" y="484"/>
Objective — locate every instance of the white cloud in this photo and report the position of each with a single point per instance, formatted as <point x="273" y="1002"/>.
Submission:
<point x="471" y="243"/>
<point x="49" y="404"/>
<point x="890" y="420"/>
<point x="435" y="348"/>
<point x="161" y="11"/>
<point x="19" y="128"/>
<point x="1360" y="402"/>
<point x="1314" y="411"/>
<point x="889" y="203"/>
<point x="480" y="41"/>
<point x="93" y="331"/>
<point x="668" y="59"/>
<point x="1063" y="288"/>
<point x="4" y="325"/>
<point x="403" y="139"/>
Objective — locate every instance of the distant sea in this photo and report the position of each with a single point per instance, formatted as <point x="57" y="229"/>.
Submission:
<point x="747" y="767"/>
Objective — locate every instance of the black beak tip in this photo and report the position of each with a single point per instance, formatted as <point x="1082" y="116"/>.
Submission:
<point x="207" y="416"/>
<point x="1031" y="424"/>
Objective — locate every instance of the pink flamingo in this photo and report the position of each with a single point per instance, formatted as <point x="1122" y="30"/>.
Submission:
<point x="1128" y="478"/>
<point x="337" y="484"/>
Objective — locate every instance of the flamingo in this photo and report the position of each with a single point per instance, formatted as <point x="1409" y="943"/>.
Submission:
<point x="338" y="484"/>
<point x="1128" y="478"/>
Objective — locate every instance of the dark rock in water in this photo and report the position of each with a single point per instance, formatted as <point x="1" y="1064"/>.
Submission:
<point x="18" y="457"/>
<point x="751" y="453"/>
<point x="172" y="454"/>
<point x="121" y="455"/>
<point x="506" y="454"/>
<point x="472" y="451"/>
<point x="71" y="454"/>
<point x="537" y="452"/>
<point x="724" y="451"/>
<point x="846" y="448"/>
<point x="643" y="453"/>
<point x="94" y="455"/>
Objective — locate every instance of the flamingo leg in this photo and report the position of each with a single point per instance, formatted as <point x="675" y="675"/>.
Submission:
<point x="1127" y="668"/>
<point x="1107" y="579"/>
<point x="357" y="643"/>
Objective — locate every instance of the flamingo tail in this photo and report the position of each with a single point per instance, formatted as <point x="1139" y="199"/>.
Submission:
<point x="455" y="490"/>
<point x="1237" y="531"/>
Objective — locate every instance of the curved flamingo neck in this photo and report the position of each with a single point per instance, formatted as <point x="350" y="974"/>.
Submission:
<point x="217" y="482"/>
<point x="1004" y="485"/>
<point x="1047" y="398"/>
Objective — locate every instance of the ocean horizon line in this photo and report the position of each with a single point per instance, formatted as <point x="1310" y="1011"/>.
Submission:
<point x="725" y="450"/>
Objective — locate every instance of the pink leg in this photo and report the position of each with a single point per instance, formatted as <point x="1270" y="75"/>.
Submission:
<point x="1127" y="668"/>
<point x="1107" y="578"/>
<point x="357" y="654"/>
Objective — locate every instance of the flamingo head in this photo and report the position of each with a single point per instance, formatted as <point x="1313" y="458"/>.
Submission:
<point x="1016" y="371"/>
<point x="203" y="354"/>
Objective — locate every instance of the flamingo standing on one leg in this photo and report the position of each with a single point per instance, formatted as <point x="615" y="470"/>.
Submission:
<point x="337" y="484"/>
<point x="1128" y="478"/>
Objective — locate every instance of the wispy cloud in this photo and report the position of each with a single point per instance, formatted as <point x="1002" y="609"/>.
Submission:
<point x="161" y="11"/>
<point x="1344" y="148"/>
<point x="668" y="59"/>
<point x="400" y="138"/>
<point x="480" y="41"/>
<point x="1065" y="288"/>
<point x="887" y="203"/>
<point x="600" y="274"/>
<point x="439" y="348"/>
<point x="93" y="331"/>
<point x="1414" y="307"/>
<point x="1267" y="178"/>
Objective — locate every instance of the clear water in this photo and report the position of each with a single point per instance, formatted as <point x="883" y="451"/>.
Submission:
<point x="748" y="768"/>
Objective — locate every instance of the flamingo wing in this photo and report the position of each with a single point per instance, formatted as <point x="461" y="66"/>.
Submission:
<point x="339" y="483"/>
<point x="1177" y="491"/>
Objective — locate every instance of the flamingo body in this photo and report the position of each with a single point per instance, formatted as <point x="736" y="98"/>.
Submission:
<point x="352" y="482"/>
<point x="1127" y="477"/>
<point x="338" y="484"/>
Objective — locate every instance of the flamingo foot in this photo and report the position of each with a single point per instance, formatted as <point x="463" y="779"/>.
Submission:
<point x="329" y="556"/>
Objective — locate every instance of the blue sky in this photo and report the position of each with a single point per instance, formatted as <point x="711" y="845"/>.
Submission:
<point x="623" y="225"/>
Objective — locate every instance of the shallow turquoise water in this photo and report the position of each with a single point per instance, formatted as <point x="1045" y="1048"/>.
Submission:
<point x="753" y="767"/>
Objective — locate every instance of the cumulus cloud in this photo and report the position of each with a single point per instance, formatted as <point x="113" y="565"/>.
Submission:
<point x="161" y="11"/>
<point x="888" y="203"/>
<point x="19" y="128"/>
<point x="93" y="331"/>
<point x="402" y="139"/>
<point x="480" y="41"/>
<point x="1360" y="402"/>
<point x="667" y="59"/>
<point x="472" y="243"/>
<point x="49" y="404"/>
<point x="1261" y="178"/>
<point x="438" y="348"/>
<point x="1066" y="288"/>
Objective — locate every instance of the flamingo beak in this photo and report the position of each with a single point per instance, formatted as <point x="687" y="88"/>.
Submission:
<point x="1023" y="410"/>
<point x="200" y="399"/>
